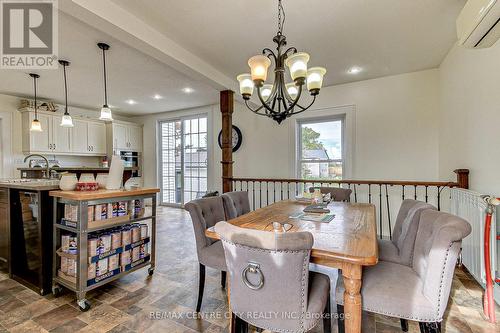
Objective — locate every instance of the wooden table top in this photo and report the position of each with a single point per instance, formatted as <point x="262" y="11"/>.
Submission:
<point x="350" y="237"/>
<point x="101" y="194"/>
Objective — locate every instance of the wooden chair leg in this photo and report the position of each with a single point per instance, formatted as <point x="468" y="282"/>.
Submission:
<point x="430" y="327"/>
<point x="340" y="318"/>
<point x="223" y="279"/>
<point x="404" y="325"/>
<point x="327" y="317"/>
<point x="201" y="287"/>
<point x="423" y="327"/>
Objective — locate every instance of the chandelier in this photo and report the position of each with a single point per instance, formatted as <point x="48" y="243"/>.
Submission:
<point x="280" y="100"/>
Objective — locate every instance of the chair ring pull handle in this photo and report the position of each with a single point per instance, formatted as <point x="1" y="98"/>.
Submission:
<point x="254" y="269"/>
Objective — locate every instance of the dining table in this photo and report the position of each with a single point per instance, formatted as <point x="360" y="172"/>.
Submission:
<point x="348" y="242"/>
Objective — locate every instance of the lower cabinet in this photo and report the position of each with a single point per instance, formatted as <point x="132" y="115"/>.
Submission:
<point x="4" y="226"/>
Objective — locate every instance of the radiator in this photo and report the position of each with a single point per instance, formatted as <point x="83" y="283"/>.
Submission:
<point x="469" y="205"/>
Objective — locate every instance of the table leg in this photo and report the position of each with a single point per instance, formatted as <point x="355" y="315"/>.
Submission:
<point x="352" y="298"/>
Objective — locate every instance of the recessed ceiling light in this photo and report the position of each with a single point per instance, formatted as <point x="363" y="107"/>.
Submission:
<point x="187" y="90"/>
<point x="130" y="101"/>
<point x="156" y="96"/>
<point x="354" y="70"/>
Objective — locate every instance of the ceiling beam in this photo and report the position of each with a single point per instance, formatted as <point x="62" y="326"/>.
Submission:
<point x="124" y="26"/>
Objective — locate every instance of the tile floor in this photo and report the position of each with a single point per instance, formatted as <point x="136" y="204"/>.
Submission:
<point x="138" y="303"/>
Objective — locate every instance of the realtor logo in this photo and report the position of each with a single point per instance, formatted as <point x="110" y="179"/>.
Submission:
<point x="29" y="34"/>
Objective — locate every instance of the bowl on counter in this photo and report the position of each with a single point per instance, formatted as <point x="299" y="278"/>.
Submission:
<point x="101" y="179"/>
<point x="87" y="178"/>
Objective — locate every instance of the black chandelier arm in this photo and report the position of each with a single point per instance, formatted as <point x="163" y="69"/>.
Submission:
<point x="304" y="108"/>
<point x="270" y="54"/>
<point x="264" y="104"/>
<point x="256" y="111"/>
<point x="290" y="49"/>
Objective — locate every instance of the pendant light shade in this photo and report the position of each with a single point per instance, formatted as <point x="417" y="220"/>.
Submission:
<point x="36" y="126"/>
<point x="66" y="120"/>
<point x="105" y="110"/>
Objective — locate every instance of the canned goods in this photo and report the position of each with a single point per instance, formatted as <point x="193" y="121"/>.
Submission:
<point x="71" y="267"/>
<point x="113" y="262"/>
<point x="126" y="236"/>
<point x="116" y="239"/>
<point x="104" y="243"/>
<point x="93" y="246"/>
<point x="136" y="233"/>
<point x="91" y="272"/>
<point x="64" y="265"/>
<point x="136" y="254"/>
<point x="65" y="243"/>
<point x="102" y="267"/>
<point x="73" y="245"/>
<point x="122" y="208"/>
<point x="125" y="258"/>
<point x="142" y="251"/>
<point x="144" y="231"/>
<point x="115" y="209"/>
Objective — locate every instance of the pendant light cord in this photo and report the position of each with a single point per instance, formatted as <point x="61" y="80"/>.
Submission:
<point x="34" y="84"/>
<point x="281" y="19"/>
<point x="65" y="91"/>
<point x="105" y="84"/>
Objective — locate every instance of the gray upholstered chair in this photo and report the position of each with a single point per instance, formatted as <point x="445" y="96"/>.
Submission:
<point x="236" y="203"/>
<point x="269" y="274"/>
<point x="336" y="193"/>
<point x="400" y="248"/>
<point x="205" y="213"/>
<point x="419" y="292"/>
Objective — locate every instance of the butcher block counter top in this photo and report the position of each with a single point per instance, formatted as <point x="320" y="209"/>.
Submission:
<point x="102" y="194"/>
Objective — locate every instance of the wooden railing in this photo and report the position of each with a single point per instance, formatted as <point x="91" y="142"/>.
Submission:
<point x="385" y="195"/>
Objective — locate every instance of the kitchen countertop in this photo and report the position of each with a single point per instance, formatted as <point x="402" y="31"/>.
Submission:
<point x="74" y="168"/>
<point x="33" y="184"/>
<point x="102" y="194"/>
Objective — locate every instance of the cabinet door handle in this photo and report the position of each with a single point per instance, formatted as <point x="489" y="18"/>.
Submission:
<point x="54" y="146"/>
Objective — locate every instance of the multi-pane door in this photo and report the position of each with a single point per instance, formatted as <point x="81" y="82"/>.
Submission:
<point x="183" y="159"/>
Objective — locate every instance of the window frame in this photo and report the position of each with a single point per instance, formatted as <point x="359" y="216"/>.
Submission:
<point x="299" y="161"/>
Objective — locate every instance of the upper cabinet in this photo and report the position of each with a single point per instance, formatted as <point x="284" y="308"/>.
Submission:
<point x="85" y="138"/>
<point x="125" y="136"/>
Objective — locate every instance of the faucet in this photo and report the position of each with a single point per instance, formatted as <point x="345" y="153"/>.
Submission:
<point x="47" y="168"/>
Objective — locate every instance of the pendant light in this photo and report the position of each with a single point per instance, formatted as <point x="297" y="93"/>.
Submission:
<point x="36" y="126"/>
<point x="66" y="120"/>
<point x="105" y="110"/>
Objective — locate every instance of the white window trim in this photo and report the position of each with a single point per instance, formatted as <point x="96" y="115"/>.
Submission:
<point x="348" y="113"/>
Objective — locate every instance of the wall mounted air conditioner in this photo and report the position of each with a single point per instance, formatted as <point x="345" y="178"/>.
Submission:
<point x="478" y="25"/>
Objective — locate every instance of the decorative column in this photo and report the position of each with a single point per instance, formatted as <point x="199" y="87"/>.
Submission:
<point x="226" y="108"/>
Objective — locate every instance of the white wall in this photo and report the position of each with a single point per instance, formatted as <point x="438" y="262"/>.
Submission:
<point x="470" y="116"/>
<point x="11" y="155"/>
<point x="392" y="126"/>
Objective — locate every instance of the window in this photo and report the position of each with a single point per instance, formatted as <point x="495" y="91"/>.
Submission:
<point x="320" y="148"/>
<point x="184" y="159"/>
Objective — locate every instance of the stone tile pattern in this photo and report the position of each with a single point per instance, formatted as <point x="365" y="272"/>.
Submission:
<point x="127" y="305"/>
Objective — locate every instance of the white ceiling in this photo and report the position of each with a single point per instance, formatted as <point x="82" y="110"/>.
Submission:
<point x="215" y="38"/>
<point x="384" y="37"/>
<point x="131" y="75"/>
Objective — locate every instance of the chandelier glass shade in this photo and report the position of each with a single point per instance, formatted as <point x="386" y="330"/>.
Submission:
<point x="280" y="99"/>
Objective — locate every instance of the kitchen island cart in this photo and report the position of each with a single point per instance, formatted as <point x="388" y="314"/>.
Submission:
<point x="100" y="236"/>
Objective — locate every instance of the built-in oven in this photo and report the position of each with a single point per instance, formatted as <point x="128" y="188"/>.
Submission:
<point x="132" y="159"/>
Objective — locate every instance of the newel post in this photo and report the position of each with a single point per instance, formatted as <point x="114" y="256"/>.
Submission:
<point x="226" y="108"/>
<point x="462" y="178"/>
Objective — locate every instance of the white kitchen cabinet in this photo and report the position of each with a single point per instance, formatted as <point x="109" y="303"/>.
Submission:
<point x="125" y="136"/>
<point x="79" y="134"/>
<point x="120" y="137"/>
<point x="39" y="141"/>
<point x="135" y="138"/>
<point x="97" y="138"/>
<point x="86" y="138"/>
<point x="61" y="136"/>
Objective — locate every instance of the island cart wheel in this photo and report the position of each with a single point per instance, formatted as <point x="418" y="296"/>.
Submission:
<point x="56" y="291"/>
<point x="151" y="271"/>
<point x="84" y="305"/>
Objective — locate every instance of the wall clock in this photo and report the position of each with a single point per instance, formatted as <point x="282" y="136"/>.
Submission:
<point x="236" y="138"/>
